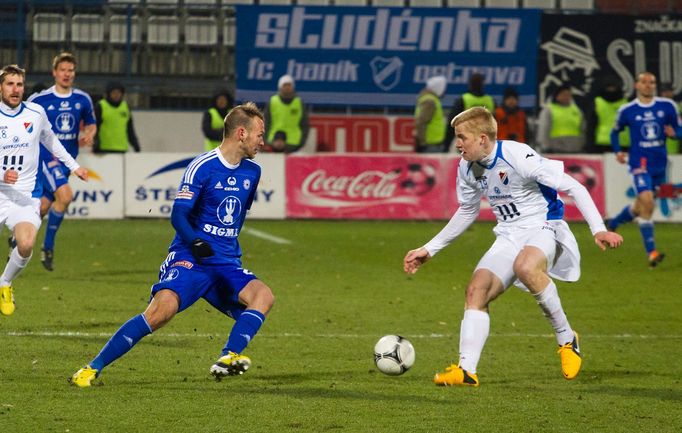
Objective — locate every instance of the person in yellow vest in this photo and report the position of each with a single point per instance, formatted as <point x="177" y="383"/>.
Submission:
<point x="666" y="90"/>
<point x="474" y="97"/>
<point x="561" y="124"/>
<point x="213" y="119"/>
<point x="429" y="123"/>
<point x="286" y="119"/>
<point x="602" y="115"/>
<point x="115" y="130"/>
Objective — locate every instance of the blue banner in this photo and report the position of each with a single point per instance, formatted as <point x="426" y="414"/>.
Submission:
<point x="363" y="56"/>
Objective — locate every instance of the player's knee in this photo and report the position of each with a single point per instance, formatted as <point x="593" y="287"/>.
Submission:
<point x="476" y="297"/>
<point x="264" y="299"/>
<point x="525" y="270"/>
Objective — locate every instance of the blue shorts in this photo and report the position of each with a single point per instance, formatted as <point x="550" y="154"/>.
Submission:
<point x="218" y="285"/>
<point x="55" y="175"/>
<point x="644" y="181"/>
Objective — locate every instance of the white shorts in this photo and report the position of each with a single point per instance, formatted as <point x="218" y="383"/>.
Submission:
<point x="12" y="213"/>
<point x="499" y="259"/>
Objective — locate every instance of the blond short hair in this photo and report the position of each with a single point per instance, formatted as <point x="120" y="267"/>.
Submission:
<point x="482" y="121"/>
<point x="11" y="70"/>
<point x="63" y="58"/>
<point x="241" y="115"/>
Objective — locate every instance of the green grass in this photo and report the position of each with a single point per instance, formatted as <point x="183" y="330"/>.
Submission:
<point x="339" y="287"/>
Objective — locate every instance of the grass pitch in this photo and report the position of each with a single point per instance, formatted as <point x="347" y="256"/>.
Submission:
<point x="339" y="287"/>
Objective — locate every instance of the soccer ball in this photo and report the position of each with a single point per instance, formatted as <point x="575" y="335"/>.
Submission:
<point x="393" y="355"/>
<point x="416" y="178"/>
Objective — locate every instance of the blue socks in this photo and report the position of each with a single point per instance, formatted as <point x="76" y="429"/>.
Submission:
<point x="54" y="220"/>
<point x="247" y="325"/>
<point x="646" y="228"/>
<point x="625" y="216"/>
<point x="122" y="341"/>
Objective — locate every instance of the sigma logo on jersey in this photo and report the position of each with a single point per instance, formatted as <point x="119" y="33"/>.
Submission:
<point x="503" y="177"/>
<point x="228" y="209"/>
<point x="184" y="193"/>
<point x="65" y="122"/>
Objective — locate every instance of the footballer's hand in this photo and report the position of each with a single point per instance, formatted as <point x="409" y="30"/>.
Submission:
<point x="608" y="239"/>
<point x="670" y="131"/>
<point x="622" y="157"/>
<point x="201" y="249"/>
<point x="82" y="173"/>
<point x="414" y="259"/>
<point x="10" y="177"/>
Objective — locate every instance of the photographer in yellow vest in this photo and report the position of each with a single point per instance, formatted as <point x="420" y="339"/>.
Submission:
<point x="561" y="124"/>
<point x="213" y="120"/>
<point x="286" y="119"/>
<point x="665" y="90"/>
<point x="115" y="131"/>
<point x="602" y="116"/>
<point x="429" y="123"/>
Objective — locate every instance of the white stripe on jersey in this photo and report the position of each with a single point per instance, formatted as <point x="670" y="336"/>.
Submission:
<point x="196" y="164"/>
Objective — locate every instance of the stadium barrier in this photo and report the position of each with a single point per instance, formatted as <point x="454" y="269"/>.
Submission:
<point x="346" y="186"/>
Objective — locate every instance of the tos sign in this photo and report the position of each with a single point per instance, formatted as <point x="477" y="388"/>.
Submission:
<point x="362" y="133"/>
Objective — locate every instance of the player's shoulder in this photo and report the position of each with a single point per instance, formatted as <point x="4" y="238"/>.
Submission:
<point x="510" y="151"/>
<point x="250" y="165"/>
<point x="198" y="165"/>
<point x="81" y="94"/>
<point x="34" y="107"/>
<point x="42" y="95"/>
<point x="665" y="102"/>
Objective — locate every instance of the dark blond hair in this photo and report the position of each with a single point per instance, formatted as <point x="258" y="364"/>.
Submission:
<point x="11" y="70"/>
<point x="483" y="122"/>
<point x="63" y="57"/>
<point x="241" y="115"/>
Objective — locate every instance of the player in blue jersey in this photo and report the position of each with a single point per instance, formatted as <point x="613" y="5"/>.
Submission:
<point x="650" y="119"/>
<point x="217" y="189"/>
<point x="66" y="108"/>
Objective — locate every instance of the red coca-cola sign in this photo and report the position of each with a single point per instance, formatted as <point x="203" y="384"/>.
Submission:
<point x="370" y="186"/>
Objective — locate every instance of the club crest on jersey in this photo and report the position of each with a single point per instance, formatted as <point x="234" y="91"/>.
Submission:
<point x="228" y="209"/>
<point x="184" y="193"/>
<point x="504" y="178"/>
<point x="64" y="105"/>
<point x="247" y="183"/>
<point x="28" y="126"/>
<point x="232" y="181"/>
<point x="65" y="122"/>
<point x="172" y="274"/>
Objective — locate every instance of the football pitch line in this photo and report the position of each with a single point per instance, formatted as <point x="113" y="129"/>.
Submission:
<point x="173" y="335"/>
<point x="266" y="236"/>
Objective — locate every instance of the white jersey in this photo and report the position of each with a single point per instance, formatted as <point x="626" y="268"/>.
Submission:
<point x="521" y="186"/>
<point x="22" y="130"/>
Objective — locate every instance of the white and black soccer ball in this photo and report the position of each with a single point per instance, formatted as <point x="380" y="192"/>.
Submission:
<point x="393" y="355"/>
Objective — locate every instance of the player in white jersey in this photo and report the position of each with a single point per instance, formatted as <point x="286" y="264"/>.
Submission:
<point x="533" y="242"/>
<point x="23" y="126"/>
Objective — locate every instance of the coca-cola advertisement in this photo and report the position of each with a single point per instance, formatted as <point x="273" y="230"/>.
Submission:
<point x="370" y="186"/>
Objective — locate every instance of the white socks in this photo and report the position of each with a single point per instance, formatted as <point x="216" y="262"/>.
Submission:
<point x="549" y="302"/>
<point x="472" y="335"/>
<point x="14" y="266"/>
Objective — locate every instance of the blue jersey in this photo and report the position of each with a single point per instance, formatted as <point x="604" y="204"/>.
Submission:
<point x="647" y="134"/>
<point x="65" y="113"/>
<point x="218" y="195"/>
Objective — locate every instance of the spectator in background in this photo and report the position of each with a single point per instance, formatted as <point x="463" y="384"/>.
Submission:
<point x="115" y="130"/>
<point x="511" y="119"/>
<point x="429" y="123"/>
<point x="214" y="117"/>
<point x="665" y="90"/>
<point x="286" y="119"/>
<point x="600" y="119"/>
<point x="475" y="97"/>
<point x="561" y="124"/>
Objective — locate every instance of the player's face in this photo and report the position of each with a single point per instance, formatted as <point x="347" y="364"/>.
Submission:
<point x="254" y="138"/>
<point x="470" y="144"/>
<point x="12" y="90"/>
<point x="64" y="74"/>
<point x="646" y="86"/>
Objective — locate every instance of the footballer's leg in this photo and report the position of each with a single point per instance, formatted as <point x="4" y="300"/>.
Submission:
<point x="531" y="267"/>
<point x="63" y="197"/>
<point x="252" y="302"/>
<point x="25" y="234"/>
<point x="644" y="209"/>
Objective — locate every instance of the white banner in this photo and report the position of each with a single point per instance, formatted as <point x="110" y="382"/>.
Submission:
<point x="620" y="191"/>
<point x="102" y="195"/>
<point x="152" y="179"/>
